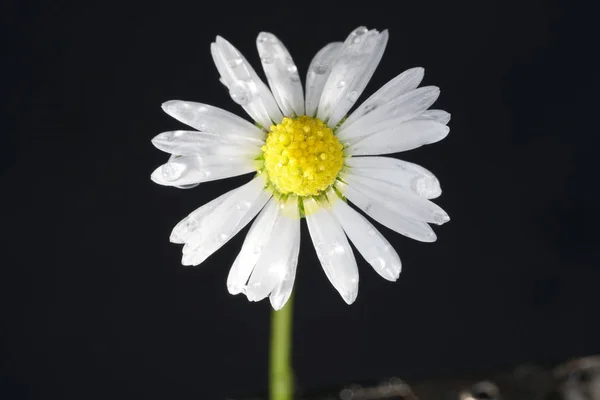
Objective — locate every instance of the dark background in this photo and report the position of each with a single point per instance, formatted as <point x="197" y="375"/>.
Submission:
<point x="95" y="303"/>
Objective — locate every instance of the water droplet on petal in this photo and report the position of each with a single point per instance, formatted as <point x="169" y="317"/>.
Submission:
<point x="267" y="58"/>
<point x="320" y="68"/>
<point x="295" y="77"/>
<point x="337" y="249"/>
<point x="172" y="171"/>
<point x="223" y="237"/>
<point x="262" y="37"/>
<point x="234" y="62"/>
<point x="353" y="96"/>
<point x="321" y="248"/>
<point x="240" y="93"/>
<point x="341" y="84"/>
<point x="361" y="31"/>
<point x="371" y="232"/>
<point x="369" y="108"/>
<point x="243" y="206"/>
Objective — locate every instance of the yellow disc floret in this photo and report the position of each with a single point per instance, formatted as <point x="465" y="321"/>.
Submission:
<point x="302" y="156"/>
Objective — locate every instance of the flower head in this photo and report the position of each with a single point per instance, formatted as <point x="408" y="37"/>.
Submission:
<point x="309" y="157"/>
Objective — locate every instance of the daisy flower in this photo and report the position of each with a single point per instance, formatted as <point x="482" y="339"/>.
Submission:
<point x="310" y="157"/>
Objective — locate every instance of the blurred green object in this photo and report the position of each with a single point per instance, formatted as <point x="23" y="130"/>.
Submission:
<point x="281" y="379"/>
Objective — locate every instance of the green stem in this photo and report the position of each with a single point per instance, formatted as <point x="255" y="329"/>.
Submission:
<point x="281" y="382"/>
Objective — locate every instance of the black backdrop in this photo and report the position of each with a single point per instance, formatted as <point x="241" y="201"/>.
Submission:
<point x="95" y="303"/>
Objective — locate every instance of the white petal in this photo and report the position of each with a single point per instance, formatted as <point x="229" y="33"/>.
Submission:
<point x="187" y="143"/>
<point x="281" y="294"/>
<point x="406" y="136"/>
<point x="186" y="170"/>
<point x="281" y="73"/>
<point x="367" y="239"/>
<point x="333" y="250"/>
<point x="277" y="262"/>
<point x="359" y="57"/>
<point x="436" y="115"/>
<point x="404" y="174"/>
<point x="399" y="200"/>
<point x="390" y="115"/>
<point x="194" y="222"/>
<point x="245" y="87"/>
<point x="401" y="84"/>
<point x="417" y="230"/>
<point x="211" y="119"/>
<point x="255" y="241"/>
<point x="318" y="72"/>
<point x="225" y="221"/>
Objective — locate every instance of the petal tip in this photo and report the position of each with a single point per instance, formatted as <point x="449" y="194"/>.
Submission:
<point x="350" y="297"/>
<point x="441" y="219"/>
<point x="277" y="302"/>
<point x="168" y="106"/>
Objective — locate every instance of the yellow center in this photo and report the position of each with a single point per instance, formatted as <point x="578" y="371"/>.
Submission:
<point x="302" y="156"/>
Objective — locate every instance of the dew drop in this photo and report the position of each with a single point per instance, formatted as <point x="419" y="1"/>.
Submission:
<point x="321" y="248"/>
<point x="190" y="186"/>
<point x="267" y="58"/>
<point x="190" y="226"/>
<point x="262" y="37"/>
<point x="341" y="84"/>
<point x="243" y="206"/>
<point x="353" y="96"/>
<point x="295" y="77"/>
<point x="337" y="249"/>
<point x="371" y="232"/>
<point x="292" y="68"/>
<point x="240" y="93"/>
<point x="369" y="108"/>
<point x="361" y="31"/>
<point x="320" y="68"/>
<point x="172" y="171"/>
<point x="233" y="63"/>
<point x="223" y="237"/>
